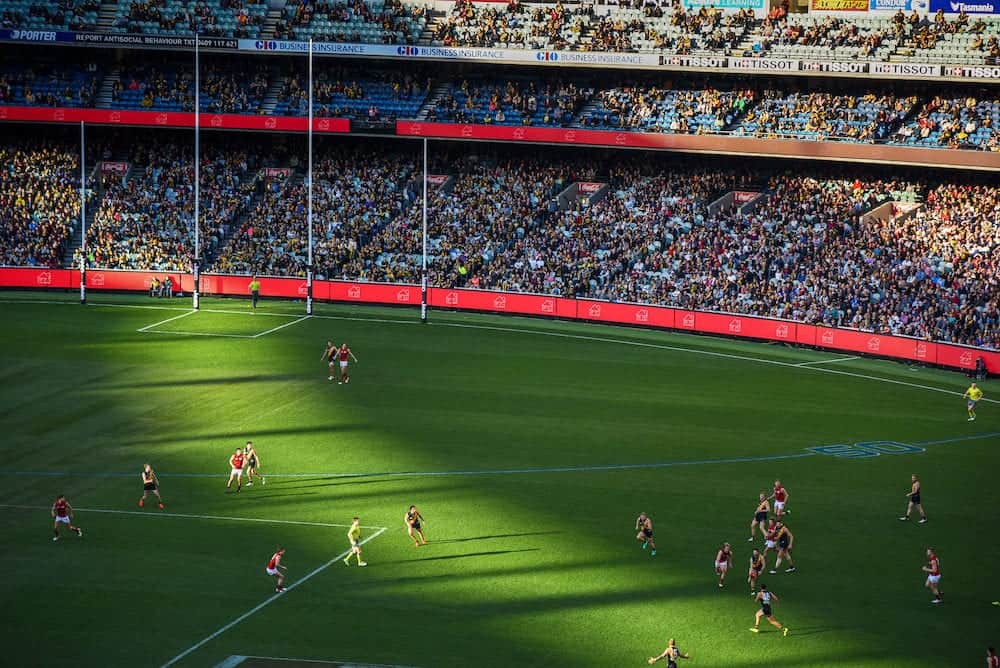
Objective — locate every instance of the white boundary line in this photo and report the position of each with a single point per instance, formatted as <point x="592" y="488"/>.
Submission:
<point x="112" y="511"/>
<point x="237" y="659"/>
<point x="580" y="337"/>
<point x="267" y="602"/>
<point x="176" y="317"/>
<point x="836" y="359"/>
<point x="223" y="336"/>
<point x="275" y="329"/>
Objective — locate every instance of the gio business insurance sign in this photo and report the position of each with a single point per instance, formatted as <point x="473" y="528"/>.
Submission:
<point x="734" y="5"/>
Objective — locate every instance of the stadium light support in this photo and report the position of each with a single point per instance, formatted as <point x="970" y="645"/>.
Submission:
<point x="423" y="253"/>
<point x="197" y="177"/>
<point x="83" y="214"/>
<point x="309" y="192"/>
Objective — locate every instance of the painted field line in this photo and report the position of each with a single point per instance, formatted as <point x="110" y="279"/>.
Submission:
<point x="113" y="511"/>
<point x="412" y="474"/>
<point x="267" y="602"/>
<point x="582" y="337"/>
<point x="287" y="324"/>
<point x="176" y="317"/>
<point x="238" y="659"/>
<point x="836" y="359"/>
<point x="218" y="335"/>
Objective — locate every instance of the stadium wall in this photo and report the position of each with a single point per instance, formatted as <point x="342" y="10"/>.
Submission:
<point x="547" y="306"/>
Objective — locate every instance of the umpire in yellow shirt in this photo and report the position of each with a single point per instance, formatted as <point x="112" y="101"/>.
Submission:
<point x="254" y="293"/>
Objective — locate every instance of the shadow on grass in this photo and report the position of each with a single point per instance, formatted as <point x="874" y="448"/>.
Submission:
<point x="241" y="436"/>
<point x="498" y="535"/>
<point x="467" y="555"/>
<point x="229" y="380"/>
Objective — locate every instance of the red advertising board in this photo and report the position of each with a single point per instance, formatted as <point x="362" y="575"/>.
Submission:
<point x="847" y="340"/>
<point x="173" y="119"/>
<point x="628" y="314"/>
<point x="587" y="187"/>
<point x="502" y="302"/>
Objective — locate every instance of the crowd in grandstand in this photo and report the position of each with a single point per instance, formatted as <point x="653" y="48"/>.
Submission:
<point x="511" y="102"/>
<point x="145" y="219"/>
<point x="39" y="202"/>
<point x="804" y="250"/>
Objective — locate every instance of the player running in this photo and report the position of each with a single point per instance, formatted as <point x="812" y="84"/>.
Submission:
<point x="342" y="354"/>
<point x="644" y="525"/>
<point x="760" y="517"/>
<point x="354" y="536"/>
<point x="150" y="483"/>
<point x="780" y="496"/>
<point x="253" y="463"/>
<point x="236" y="470"/>
<point x="671" y="654"/>
<point x="274" y="569"/>
<point x="413" y="521"/>
<point x="785" y="542"/>
<point x="330" y="355"/>
<point x="254" y="288"/>
<point x="914" y="496"/>
<point x="933" y="570"/>
<point x="756" y="567"/>
<point x="723" y="560"/>
<point x="62" y="513"/>
<point x="765" y="598"/>
<point x="771" y="537"/>
<point x="973" y="394"/>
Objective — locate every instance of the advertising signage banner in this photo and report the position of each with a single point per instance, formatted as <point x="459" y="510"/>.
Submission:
<point x="36" y="36"/>
<point x="972" y="7"/>
<point x="746" y="327"/>
<point x="890" y="5"/>
<point x="757" y="5"/>
<point x="175" y="119"/>
<point x="839" y="5"/>
<point x="116" y="39"/>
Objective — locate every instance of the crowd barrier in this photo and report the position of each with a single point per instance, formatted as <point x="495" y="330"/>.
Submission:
<point x="172" y="119"/>
<point x="737" y="326"/>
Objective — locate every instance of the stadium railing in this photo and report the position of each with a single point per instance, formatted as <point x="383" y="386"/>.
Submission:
<point x="546" y="306"/>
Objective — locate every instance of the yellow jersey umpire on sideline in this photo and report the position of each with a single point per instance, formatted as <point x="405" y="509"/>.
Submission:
<point x="254" y="292"/>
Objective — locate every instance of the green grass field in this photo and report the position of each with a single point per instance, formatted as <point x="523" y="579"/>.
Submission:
<point x="512" y="435"/>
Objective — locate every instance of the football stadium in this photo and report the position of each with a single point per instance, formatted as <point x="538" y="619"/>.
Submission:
<point x="493" y="333"/>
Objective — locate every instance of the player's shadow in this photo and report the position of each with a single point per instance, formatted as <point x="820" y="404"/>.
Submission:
<point x="492" y="536"/>
<point x="188" y="382"/>
<point x="467" y="555"/>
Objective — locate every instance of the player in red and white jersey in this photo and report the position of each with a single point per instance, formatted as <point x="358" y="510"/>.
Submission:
<point x="62" y="513"/>
<point x="236" y="470"/>
<point x="342" y="354"/>
<point x="771" y="536"/>
<point x="933" y="570"/>
<point x="274" y="569"/>
<point x="992" y="660"/>
<point x="780" y="496"/>
<point x="723" y="560"/>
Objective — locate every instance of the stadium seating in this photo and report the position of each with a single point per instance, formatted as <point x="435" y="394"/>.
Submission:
<point x="819" y="116"/>
<point x="39" y="201"/>
<point x="145" y="218"/>
<point x="511" y="102"/>
<point x="339" y="92"/>
<point x="47" y="85"/>
<point x="171" y="88"/>
<point x="216" y="18"/>
<point x="655" y="109"/>
<point x="966" y="122"/>
<point x="77" y="15"/>
<point x="357" y="21"/>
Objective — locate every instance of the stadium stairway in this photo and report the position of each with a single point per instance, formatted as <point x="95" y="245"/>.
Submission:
<point x="274" y="9"/>
<point x="270" y="100"/>
<point x="104" y="96"/>
<point x="73" y="243"/>
<point x="438" y="92"/>
<point x="212" y="253"/>
<point x="106" y="15"/>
